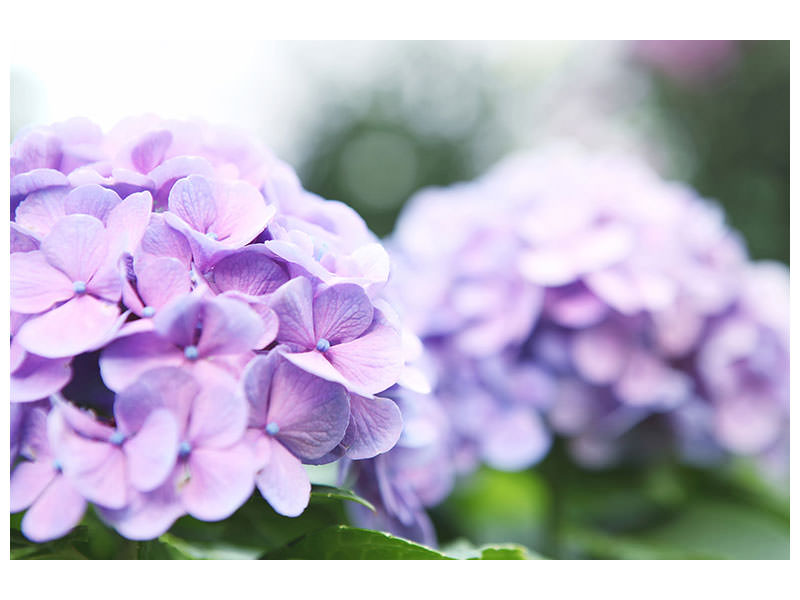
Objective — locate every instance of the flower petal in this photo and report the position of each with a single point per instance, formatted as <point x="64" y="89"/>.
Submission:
<point x="35" y="284"/>
<point x="342" y="312"/>
<point x="57" y="510"/>
<point x="38" y="377"/>
<point x="91" y="199"/>
<point x="219" y="415"/>
<point x="79" y="325"/>
<point x="374" y="428"/>
<point x="292" y="303"/>
<point x="127" y="358"/>
<point x="220" y="481"/>
<point x="151" y="453"/>
<point x="230" y="326"/>
<point x="249" y="270"/>
<point x="283" y="481"/>
<point x="77" y="245"/>
<point x="28" y="480"/>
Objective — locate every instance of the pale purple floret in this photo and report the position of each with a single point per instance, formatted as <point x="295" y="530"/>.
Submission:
<point x="336" y="333"/>
<point x="215" y="216"/>
<point x="38" y="484"/>
<point x="294" y="417"/>
<point x="198" y="332"/>
<point x="210" y="468"/>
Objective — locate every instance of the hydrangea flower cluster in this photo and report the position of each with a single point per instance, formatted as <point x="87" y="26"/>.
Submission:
<point x="581" y="296"/>
<point x="187" y="324"/>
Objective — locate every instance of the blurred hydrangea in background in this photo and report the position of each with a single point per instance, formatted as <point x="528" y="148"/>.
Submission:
<point x="608" y="381"/>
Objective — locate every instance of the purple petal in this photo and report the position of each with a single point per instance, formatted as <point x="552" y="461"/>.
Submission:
<point x="178" y="321"/>
<point x="292" y="303"/>
<point x="28" y="481"/>
<point x="151" y="453"/>
<point x="41" y="210"/>
<point x="39" y="377"/>
<point x="57" y="510"/>
<point x="148" y="515"/>
<point x="22" y="240"/>
<point x="79" y="325"/>
<point x="311" y="414"/>
<point x="372" y="362"/>
<point x="219" y="415"/>
<point x="574" y="306"/>
<point x="220" y="481"/>
<point x="374" y="428"/>
<point x="600" y="353"/>
<point x="192" y="199"/>
<point x="35" y="284"/>
<point x="160" y="239"/>
<point x="149" y="151"/>
<point x="229" y="327"/>
<point x="515" y="439"/>
<point x="166" y="387"/>
<point x="93" y="200"/>
<point x="256" y="383"/>
<point x="282" y="481"/>
<point x="241" y="212"/>
<point x="128" y="358"/>
<point x="161" y="279"/>
<point x="77" y="245"/>
<point x="127" y="223"/>
<point x="36" y="179"/>
<point x="173" y="169"/>
<point x="249" y="270"/>
<point x="342" y="312"/>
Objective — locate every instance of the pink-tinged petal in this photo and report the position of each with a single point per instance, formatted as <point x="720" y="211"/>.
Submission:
<point x="81" y="420"/>
<point x="220" y="481"/>
<point x="192" y="199"/>
<point x="35" y="284"/>
<point x="206" y="251"/>
<point x="616" y="288"/>
<point x="342" y="312"/>
<point x="268" y="318"/>
<point x="298" y="255"/>
<point x="600" y="354"/>
<point x="256" y="382"/>
<point x="241" y="213"/>
<point x="148" y="515"/>
<point x="574" y="306"/>
<point x="106" y="283"/>
<point x="128" y="358"/>
<point x="514" y="440"/>
<point x="22" y="240"/>
<point x="96" y="468"/>
<point x="229" y="326"/>
<point x="36" y="179"/>
<point x="372" y="362"/>
<point x="160" y="239"/>
<point x="178" y="320"/>
<point x="311" y="414"/>
<point x="173" y="169"/>
<point x="150" y="150"/>
<point x="374" y="428"/>
<point x="41" y="210"/>
<point x="17" y="353"/>
<point x="79" y="325"/>
<point x="647" y="381"/>
<point x="283" y="481"/>
<point x="127" y="223"/>
<point x="161" y="279"/>
<point x="219" y="415"/>
<point x="59" y="508"/>
<point x="151" y="453"/>
<point x="28" y="481"/>
<point x="748" y="424"/>
<point x="292" y="302"/>
<point x="93" y="200"/>
<point x="38" y="377"/>
<point x="315" y="363"/>
<point x="547" y="266"/>
<point x="249" y="270"/>
<point x="166" y="387"/>
<point x="76" y="245"/>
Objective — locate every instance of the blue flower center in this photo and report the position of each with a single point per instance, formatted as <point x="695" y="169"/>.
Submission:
<point x="79" y="287"/>
<point x="57" y="465"/>
<point x="272" y="428"/>
<point x="184" y="449"/>
<point x="117" y="438"/>
<point x="148" y="311"/>
<point x="323" y="345"/>
<point x="191" y="352"/>
<point x="212" y="235"/>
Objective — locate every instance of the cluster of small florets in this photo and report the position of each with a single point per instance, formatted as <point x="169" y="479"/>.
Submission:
<point x="188" y="323"/>
<point x="565" y="294"/>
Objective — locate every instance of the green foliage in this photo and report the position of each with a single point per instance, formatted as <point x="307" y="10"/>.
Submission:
<point x="328" y="492"/>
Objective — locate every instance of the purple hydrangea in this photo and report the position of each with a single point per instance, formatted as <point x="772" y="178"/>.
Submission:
<point x="579" y="296"/>
<point x="188" y="324"/>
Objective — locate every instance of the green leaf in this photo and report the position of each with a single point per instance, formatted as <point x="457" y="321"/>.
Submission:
<point x="506" y="552"/>
<point x="341" y="542"/>
<point x="328" y="492"/>
<point x="166" y="547"/>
